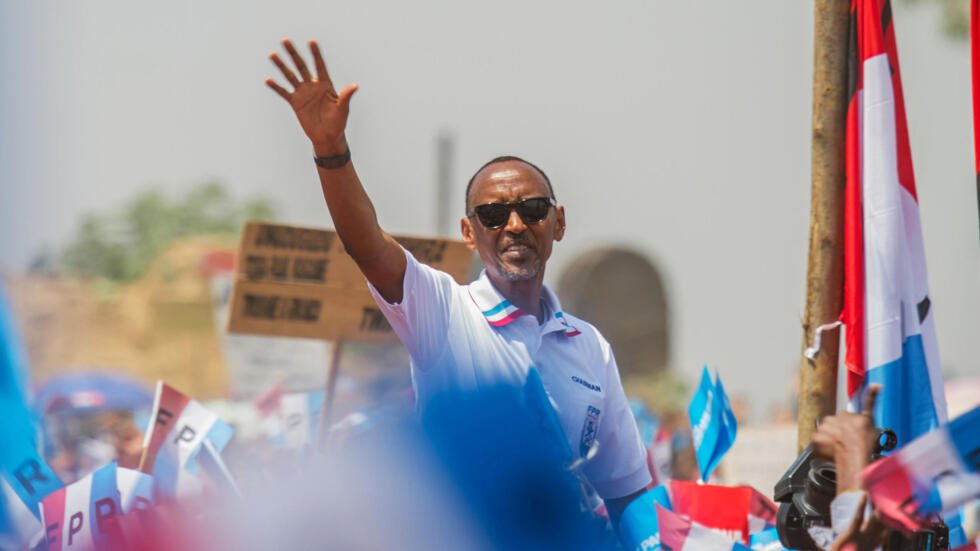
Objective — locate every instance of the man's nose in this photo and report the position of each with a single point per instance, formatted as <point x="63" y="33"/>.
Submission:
<point x="514" y="223"/>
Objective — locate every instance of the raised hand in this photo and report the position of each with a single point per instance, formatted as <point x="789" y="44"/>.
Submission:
<point x="322" y="111"/>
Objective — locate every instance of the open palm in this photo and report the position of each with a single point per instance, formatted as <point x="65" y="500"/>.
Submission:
<point x="322" y="111"/>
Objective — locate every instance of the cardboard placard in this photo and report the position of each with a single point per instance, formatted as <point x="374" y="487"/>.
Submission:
<point x="300" y="282"/>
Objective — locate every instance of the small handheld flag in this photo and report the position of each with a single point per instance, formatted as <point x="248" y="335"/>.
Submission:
<point x="935" y="473"/>
<point x="713" y="424"/>
<point x="300" y="413"/>
<point x="678" y="533"/>
<point x="135" y="489"/>
<point x="75" y="516"/>
<point x="736" y="511"/>
<point x="178" y="428"/>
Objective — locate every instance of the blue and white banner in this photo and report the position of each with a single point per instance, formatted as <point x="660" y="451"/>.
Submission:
<point x="713" y="423"/>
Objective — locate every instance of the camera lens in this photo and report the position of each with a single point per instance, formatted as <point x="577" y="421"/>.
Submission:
<point x="819" y="489"/>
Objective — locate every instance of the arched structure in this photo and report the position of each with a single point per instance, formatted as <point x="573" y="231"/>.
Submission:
<point x="621" y="292"/>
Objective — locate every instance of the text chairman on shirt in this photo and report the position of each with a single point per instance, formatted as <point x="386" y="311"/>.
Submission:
<point x="463" y="337"/>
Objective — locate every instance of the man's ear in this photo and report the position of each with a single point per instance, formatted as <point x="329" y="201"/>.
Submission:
<point x="559" y="222"/>
<point x="466" y="227"/>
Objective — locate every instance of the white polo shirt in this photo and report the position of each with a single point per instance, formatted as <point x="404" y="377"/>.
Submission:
<point x="464" y="337"/>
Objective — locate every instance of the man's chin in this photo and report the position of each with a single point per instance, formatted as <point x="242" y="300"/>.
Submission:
<point x="520" y="273"/>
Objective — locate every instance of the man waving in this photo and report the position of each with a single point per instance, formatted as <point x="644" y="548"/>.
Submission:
<point x="492" y="331"/>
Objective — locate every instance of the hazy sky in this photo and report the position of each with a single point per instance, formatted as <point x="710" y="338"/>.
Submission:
<point x="680" y="129"/>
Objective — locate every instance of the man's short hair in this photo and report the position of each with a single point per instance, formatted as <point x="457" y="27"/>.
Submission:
<point x="501" y="159"/>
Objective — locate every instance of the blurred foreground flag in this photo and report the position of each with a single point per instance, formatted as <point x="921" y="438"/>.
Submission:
<point x="639" y="529"/>
<point x="766" y="540"/>
<point x="889" y="329"/>
<point x="678" y="533"/>
<point x="299" y="413"/>
<point x="736" y="511"/>
<point x="178" y="428"/>
<point x="13" y="379"/>
<point x="290" y="419"/>
<point x="713" y="424"/>
<point x="135" y="489"/>
<point x="935" y="473"/>
<point x="25" y="478"/>
<point x="18" y="523"/>
<point x="75" y="517"/>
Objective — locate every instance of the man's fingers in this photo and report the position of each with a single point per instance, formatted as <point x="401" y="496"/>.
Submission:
<point x="343" y="99"/>
<point x="286" y="71"/>
<point x="321" y="66"/>
<point x="300" y="64"/>
<point x="870" y="400"/>
<point x="277" y="89"/>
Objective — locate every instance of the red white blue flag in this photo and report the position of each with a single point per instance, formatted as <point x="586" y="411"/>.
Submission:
<point x="735" y="511"/>
<point x="975" y="64"/>
<point x="178" y="431"/>
<point x="935" y="473"/>
<point x="78" y="515"/>
<point x="678" y="533"/>
<point x="889" y="326"/>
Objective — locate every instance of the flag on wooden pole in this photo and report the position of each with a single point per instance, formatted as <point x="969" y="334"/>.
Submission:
<point x="975" y="58"/>
<point x="889" y="327"/>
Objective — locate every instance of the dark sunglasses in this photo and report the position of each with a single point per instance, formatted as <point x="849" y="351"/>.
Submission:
<point x="495" y="215"/>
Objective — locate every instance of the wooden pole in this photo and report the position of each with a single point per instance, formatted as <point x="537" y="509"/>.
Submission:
<point x="328" y="395"/>
<point x="825" y="269"/>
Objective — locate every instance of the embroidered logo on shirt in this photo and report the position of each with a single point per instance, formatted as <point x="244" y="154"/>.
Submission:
<point x="589" y="429"/>
<point x="586" y="384"/>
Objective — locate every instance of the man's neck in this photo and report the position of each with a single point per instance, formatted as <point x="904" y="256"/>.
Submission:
<point x="525" y="294"/>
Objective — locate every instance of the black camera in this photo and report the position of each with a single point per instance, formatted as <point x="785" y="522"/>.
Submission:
<point x="804" y="494"/>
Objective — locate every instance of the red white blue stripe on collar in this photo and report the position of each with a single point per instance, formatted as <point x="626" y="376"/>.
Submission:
<point x="570" y="331"/>
<point x="499" y="311"/>
<point x="503" y="313"/>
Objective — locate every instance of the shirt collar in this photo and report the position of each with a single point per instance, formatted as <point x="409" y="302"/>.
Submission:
<point x="499" y="311"/>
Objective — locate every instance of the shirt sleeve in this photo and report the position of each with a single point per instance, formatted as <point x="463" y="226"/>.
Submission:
<point x="620" y="465"/>
<point x="421" y="318"/>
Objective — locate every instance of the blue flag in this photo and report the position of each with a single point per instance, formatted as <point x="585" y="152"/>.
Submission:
<point x="24" y="475"/>
<point x="17" y="423"/>
<point x="713" y="424"/>
<point x="638" y="526"/>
